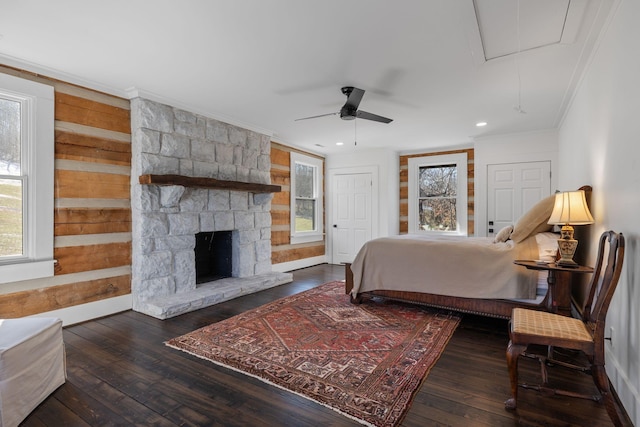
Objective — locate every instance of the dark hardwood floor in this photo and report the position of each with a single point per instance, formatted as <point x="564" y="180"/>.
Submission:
<point x="121" y="374"/>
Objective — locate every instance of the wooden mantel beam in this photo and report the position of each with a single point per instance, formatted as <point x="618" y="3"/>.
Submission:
<point x="201" y="182"/>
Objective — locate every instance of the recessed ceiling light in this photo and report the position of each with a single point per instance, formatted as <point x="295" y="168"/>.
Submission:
<point x="480" y="124"/>
<point x="339" y="143"/>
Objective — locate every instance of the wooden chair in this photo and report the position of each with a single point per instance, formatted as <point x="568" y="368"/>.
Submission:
<point x="529" y="327"/>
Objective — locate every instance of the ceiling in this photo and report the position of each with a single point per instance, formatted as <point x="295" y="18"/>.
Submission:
<point x="434" y="66"/>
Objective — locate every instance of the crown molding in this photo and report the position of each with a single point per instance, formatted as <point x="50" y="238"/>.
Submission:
<point x="43" y="71"/>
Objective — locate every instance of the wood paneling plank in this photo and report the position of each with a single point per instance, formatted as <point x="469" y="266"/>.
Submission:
<point x="404" y="208"/>
<point x="70" y="138"/>
<point x="74" y="109"/>
<point x="75" y="146"/>
<point x="91" y="221"/>
<point x="77" y="184"/>
<point x="281" y="198"/>
<point x="279" y="256"/>
<point x="404" y="192"/>
<point x="92" y="95"/>
<point x="279" y="217"/>
<point x="280" y="157"/>
<point x="280" y="177"/>
<point x="26" y="303"/>
<point x="74" y="259"/>
<point x="280" y="238"/>
<point x="87" y="154"/>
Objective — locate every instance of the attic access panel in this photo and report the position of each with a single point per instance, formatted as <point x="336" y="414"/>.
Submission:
<point x="541" y="23"/>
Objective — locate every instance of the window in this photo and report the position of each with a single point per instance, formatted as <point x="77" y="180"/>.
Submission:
<point x="11" y="180"/>
<point x="306" y="199"/>
<point x="26" y="179"/>
<point x="438" y="194"/>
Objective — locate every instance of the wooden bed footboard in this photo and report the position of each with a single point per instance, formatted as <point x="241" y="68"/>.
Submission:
<point x="500" y="308"/>
<point x="348" y="278"/>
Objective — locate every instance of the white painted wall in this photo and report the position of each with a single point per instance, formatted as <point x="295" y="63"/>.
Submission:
<point x="510" y="148"/>
<point x="388" y="182"/>
<point x="599" y="144"/>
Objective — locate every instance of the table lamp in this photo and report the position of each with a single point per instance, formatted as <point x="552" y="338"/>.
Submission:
<point x="570" y="208"/>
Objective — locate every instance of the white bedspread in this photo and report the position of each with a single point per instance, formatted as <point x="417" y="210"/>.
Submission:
<point x="471" y="267"/>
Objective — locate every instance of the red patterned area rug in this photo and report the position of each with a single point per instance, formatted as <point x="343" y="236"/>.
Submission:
<point x="365" y="361"/>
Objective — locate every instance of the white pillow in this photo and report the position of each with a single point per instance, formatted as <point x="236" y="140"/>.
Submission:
<point x="547" y="246"/>
<point x="504" y="234"/>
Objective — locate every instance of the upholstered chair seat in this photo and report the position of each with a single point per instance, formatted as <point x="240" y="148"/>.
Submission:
<point x="32" y="365"/>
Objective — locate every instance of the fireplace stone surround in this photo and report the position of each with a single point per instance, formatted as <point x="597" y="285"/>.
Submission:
<point x="165" y="218"/>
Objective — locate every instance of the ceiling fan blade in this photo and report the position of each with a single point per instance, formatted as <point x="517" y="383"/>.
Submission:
<point x="315" y="117"/>
<point x="354" y="96"/>
<point x="370" y="116"/>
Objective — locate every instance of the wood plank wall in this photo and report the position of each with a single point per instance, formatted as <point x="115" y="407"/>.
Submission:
<point x="92" y="218"/>
<point x="404" y="187"/>
<point x="281" y="248"/>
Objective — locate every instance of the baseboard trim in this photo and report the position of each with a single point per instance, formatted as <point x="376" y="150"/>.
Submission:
<point x="625" y="393"/>
<point x="300" y="263"/>
<point x="89" y="311"/>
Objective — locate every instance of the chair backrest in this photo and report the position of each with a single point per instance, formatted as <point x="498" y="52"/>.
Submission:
<point x="604" y="281"/>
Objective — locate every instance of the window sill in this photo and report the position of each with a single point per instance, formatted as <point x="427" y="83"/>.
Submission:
<point x="295" y="240"/>
<point x="26" y="271"/>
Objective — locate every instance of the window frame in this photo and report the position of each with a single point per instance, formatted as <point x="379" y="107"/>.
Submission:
<point x="414" y="165"/>
<point x="37" y="170"/>
<point x="317" y="164"/>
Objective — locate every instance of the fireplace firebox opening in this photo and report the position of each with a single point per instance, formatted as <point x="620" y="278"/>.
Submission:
<point x="213" y="256"/>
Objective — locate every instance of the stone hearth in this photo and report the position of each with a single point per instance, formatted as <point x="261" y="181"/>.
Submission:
<point x="170" y="141"/>
<point x="205" y="295"/>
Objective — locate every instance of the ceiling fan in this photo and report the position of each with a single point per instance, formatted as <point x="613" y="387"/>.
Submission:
<point x="349" y="110"/>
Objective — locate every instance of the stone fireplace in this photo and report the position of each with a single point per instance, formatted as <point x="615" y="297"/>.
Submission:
<point x="166" y="216"/>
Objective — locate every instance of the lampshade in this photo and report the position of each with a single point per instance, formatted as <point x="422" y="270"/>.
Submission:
<point x="571" y="208"/>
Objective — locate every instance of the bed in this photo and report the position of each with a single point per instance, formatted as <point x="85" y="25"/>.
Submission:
<point x="469" y="274"/>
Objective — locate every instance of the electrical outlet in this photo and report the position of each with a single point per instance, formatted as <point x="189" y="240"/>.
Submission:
<point x="611" y="333"/>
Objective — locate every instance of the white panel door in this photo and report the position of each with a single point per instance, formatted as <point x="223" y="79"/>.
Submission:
<point x="352" y="220"/>
<point x="512" y="189"/>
